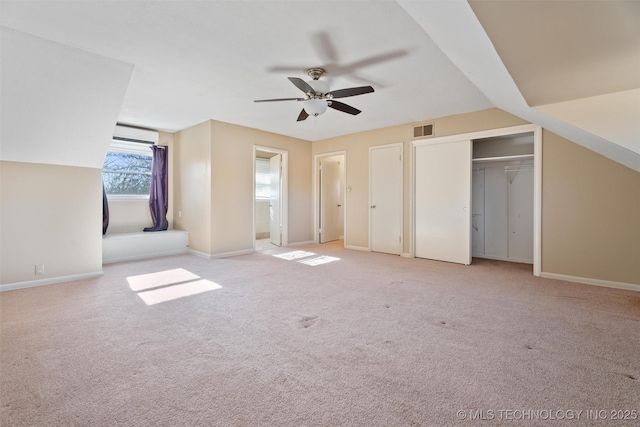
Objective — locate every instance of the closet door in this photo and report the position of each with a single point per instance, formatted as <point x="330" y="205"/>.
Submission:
<point x="385" y="211"/>
<point x="521" y="213"/>
<point x="443" y="201"/>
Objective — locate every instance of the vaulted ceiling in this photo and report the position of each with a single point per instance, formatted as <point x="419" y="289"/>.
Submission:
<point x="548" y="62"/>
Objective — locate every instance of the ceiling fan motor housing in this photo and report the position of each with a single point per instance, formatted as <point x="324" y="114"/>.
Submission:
<point x="319" y="86"/>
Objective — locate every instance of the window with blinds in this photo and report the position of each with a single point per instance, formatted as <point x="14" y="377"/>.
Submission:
<point x="263" y="179"/>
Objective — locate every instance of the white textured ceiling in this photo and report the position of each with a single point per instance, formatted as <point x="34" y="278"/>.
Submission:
<point x="196" y="61"/>
<point x="199" y="60"/>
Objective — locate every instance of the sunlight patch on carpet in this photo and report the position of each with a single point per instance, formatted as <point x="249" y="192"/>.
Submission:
<point x="161" y="278"/>
<point x="294" y="255"/>
<point x="324" y="259"/>
<point x="170" y="293"/>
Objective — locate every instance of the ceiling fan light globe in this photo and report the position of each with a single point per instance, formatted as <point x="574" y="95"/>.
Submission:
<point x="315" y="107"/>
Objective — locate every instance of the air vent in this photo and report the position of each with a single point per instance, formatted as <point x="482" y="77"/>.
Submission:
<point x="422" y="131"/>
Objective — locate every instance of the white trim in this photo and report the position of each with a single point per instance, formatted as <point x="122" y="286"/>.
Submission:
<point x="50" y="281"/>
<point x="357" y="248"/>
<point x="406" y="255"/>
<point x="316" y="195"/>
<point x="221" y="255"/>
<point x="477" y="135"/>
<point x="127" y="197"/>
<point x="232" y="253"/>
<point x="284" y="197"/>
<point x="537" y="200"/>
<point x="376" y="147"/>
<point x="594" y="282"/>
<point x="537" y="179"/>
<point x="306" y="243"/>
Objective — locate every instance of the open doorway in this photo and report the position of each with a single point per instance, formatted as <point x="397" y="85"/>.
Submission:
<point x="270" y="198"/>
<point x="330" y="197"/>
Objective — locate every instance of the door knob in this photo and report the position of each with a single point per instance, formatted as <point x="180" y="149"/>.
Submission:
<point x="339" y="205"/>
<point x="373" y="206"/>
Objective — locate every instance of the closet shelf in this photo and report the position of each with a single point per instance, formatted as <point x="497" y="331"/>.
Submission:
<point x="503" y="158"/>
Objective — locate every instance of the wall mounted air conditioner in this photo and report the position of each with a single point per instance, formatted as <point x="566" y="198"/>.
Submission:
<point x="132" y="134"/>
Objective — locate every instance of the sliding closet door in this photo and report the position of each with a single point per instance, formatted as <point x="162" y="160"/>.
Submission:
<point x="443" y="201"/>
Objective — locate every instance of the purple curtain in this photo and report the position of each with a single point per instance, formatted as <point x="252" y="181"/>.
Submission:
<point x="159" y="194"/>
<point x="105" y="211"/>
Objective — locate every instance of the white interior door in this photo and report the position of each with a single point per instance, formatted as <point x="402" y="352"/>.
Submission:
<point x="443" y="201"/>
<point x="386" y="199"/>
<point x="331" y="209"/>
<point x="275" y="202"/>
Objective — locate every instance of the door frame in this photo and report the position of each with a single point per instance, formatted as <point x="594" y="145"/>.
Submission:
<point x="316" y="193"/>
<point x="537" y="180"/>
<point x="284" y="192"/>
<point x="401" y="207"/>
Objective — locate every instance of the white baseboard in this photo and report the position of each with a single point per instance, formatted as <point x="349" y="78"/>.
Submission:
<point x="406" y="255"/>
<point x="307" y="243"/>
<point x="357" y="248"/>
<point x="199" y="254"/>
<point x="233" y="253"/>
<point x="595" y="282"/>
<point x="221" y="255"/>
<point x="49" y="281"/>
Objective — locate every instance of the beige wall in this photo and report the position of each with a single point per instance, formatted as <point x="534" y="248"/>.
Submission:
<point x="357" y="148"/>
<point x="128" y="216"/>
<point x="590" y="214"/>
<point x="50" y="215"/>
<point x="222" y="155"/>
<point x="192" y="185"/>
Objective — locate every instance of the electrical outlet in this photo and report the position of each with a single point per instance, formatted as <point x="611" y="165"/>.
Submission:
<point x="38" y="270"/>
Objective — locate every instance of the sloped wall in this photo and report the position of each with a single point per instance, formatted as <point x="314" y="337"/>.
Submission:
<point x="59" y="107"/>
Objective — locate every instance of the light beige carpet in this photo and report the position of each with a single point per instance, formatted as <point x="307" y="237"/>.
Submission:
<point x="328" y="338"/>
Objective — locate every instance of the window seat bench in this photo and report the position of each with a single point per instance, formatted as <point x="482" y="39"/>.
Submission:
<point x="139" y="245"/>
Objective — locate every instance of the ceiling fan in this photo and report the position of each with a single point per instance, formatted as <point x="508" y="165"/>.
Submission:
<point x="319" y="97"/>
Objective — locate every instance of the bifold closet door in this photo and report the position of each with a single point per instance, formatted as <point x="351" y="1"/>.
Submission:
<point x="443" y="201"/>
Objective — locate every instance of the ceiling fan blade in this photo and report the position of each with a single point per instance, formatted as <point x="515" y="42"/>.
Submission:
<point x="303" y="115"/>
<point x="337" y="105"/>
<point x="323" y="46"/>
<point x="352" y="91"/>
<point x="279" y="99"/>
<point x="377" y="59"/>
<point x="302" y="85"/>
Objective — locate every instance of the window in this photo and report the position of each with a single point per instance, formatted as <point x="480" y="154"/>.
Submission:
<point x="127" y="169"/>
<point x="263" y="179"/>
